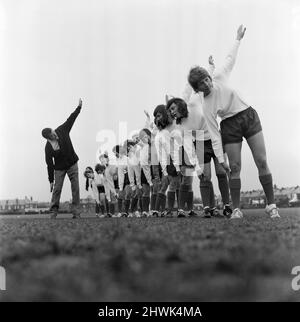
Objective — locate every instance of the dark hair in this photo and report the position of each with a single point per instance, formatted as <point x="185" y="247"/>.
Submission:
<point x="99" y="167"/>
<point x="182" y="107"/>
<point x="196" y="75"/>
<point x="147" y="131"/>
<point x="128" y="144"/>
<point x="46" y="132"/>
<point x="87" y="170"/>
<point x="165" y="117"/>
<point x="116" y="149"/>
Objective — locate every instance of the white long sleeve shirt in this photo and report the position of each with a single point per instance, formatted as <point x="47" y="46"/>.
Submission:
<point x="99" y="180"/>
<point x="134" y="169"/>
<point x="223" y="101"/>
<point x="195" y="119"/>
<point x="167" y="143"/>
<point x="93" y="186"/>
<point x="109" y="185"/>
<point x="145" y="162"/>
<point x="122" y="164"/>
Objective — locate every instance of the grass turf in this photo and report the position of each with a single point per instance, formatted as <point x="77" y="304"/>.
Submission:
<point x="151" y="259"/>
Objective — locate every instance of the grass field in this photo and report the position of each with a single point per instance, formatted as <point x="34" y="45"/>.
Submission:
<point x="151" y="259"/>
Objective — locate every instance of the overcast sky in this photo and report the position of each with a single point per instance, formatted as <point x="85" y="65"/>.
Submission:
<point x="122" y="57"/>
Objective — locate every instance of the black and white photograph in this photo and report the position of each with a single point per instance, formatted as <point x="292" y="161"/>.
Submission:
<point x="149" y="153"/>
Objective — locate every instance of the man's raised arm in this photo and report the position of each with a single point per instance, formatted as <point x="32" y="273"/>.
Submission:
<point x="71" y="119"/>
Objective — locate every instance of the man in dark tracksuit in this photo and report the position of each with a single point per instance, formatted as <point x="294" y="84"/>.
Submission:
<point x="59" y="147"/>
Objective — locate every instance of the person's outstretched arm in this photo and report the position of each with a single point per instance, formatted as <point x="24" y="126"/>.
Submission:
<point x="71" y="119"/>
<point x="121" y="175"/>
<point x="50" y="167"/>
<point x="216" y="140"/>
<point x="211" y="65"/>
<point x="161" y="153"/>
<point x="95" y="191"/>
<point x="176" y="148"/>
<point x="226" y="69"/>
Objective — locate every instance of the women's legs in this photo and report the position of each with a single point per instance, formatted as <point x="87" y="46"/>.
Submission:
<point x="258" y="149"/>
<point x="146" y="197"/>
<point x="222" y="181"/>
<point x="161" y="195"/>
<point x="233" y="151"/>
<point x="206" y="186"/>
<point x="127" y="198"/>
<point x="185" y="190"/>
<point x="173" y="187"/>
<point x="102" y="203"/>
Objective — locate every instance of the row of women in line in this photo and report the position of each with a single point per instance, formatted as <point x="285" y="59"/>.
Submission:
<point x="160" y="164"/>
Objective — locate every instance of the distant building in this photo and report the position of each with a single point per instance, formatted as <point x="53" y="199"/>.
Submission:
<point x="283" y="197"/>
<point x="253" y="199"/>
<point x="88" y="204"/>
<point x="18" y="205"/>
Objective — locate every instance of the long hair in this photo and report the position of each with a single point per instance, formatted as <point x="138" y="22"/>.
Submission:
<point x="127" y="145"/>
<point x="149" y="134"/>
<point x="181" y="106"/>
<point x="99" y="167"/>
<point x="165" y="121"/>
<point x="86" y="172"/>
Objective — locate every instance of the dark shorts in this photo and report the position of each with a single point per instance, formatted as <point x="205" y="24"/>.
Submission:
<point x="204" y="151"/>
<point x="184" y="159"/>
<point x="244" y="124"/>
<point x="171" y="170"/>
<point x="143" y="178"/>
<point x="101" y="189"/>
<point x="116" y="184"/>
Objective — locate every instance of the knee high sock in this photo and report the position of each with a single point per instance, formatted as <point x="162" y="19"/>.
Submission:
<point x="126" y="205"/>
<point x="190" y="200"/>
<point x="163" y="202"/>
<point x="177" y="197"/>
<point x="235" y="191"/>
<point x="102" y="208"/>
<point x="160" y="203"/>
<point x="267" y="184"/>
<point x="112" y="208"/>
<point x="153" y="201"/>
<point x="205" y="192"/>
<point x="107" y="205"/>
<point x="212" y="202"/>
<point x="145" y="203"/>
<point x="134" y="204"/>
<point x="171" y="200"/>
<point x="120" y="205"/>
<point x="183" y="195"/>
<point x="224" y="188"/>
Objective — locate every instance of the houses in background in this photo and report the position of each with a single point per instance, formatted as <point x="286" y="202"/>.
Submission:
<point x="284" y="197"/>
<point x="27" y="205"/>
<point x="30" y="206"/>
